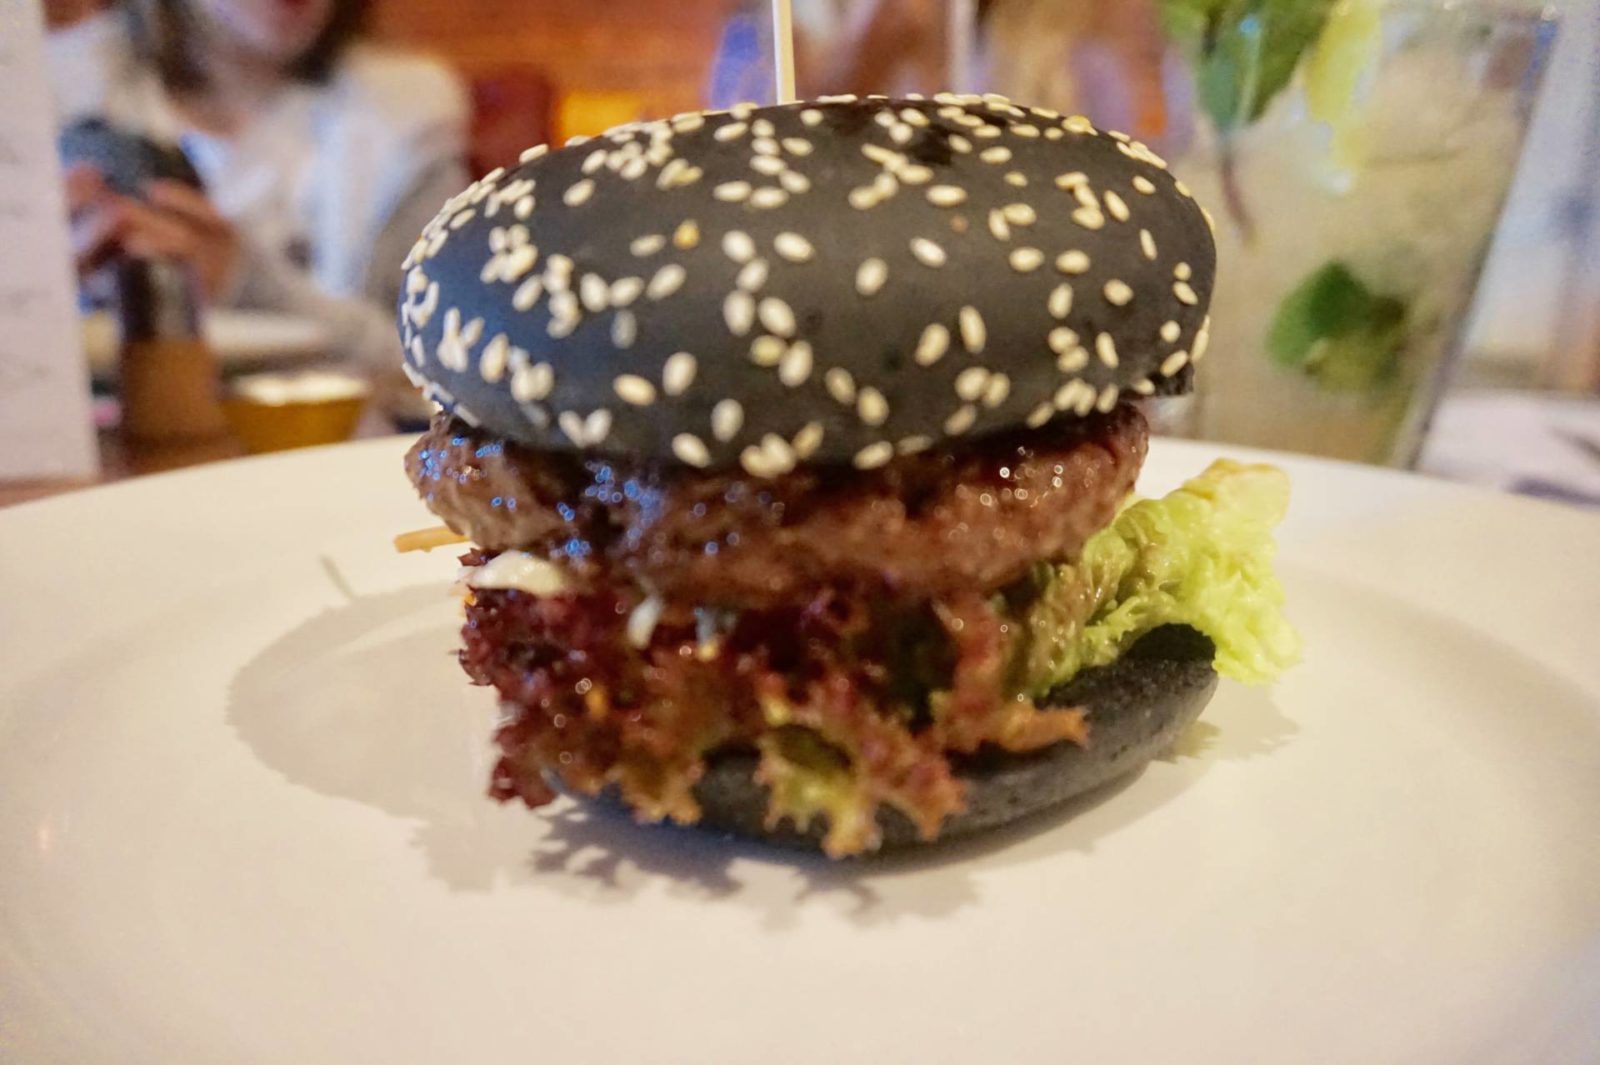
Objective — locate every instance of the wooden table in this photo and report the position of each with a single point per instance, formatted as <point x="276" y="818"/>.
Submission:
<point x="119" y="461"/>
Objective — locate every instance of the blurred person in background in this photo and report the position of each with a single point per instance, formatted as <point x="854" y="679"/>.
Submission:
<point x="320" y="157"/>
<point x="1104" y="58"/>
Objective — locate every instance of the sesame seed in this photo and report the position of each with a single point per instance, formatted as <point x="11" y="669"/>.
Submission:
<point x="927" y="252"/>
<point x="1211" y="221"/>
<point x="690" y="450"/>
<point x="687" y="235"/>
<point x="624" y="290"/>
<point x="998" y="226"/>
<point x="874" y="455"/>
<point x="1144" y="184"/>
<point x="530" y="384"/>
<point x="492" y="363"/>
<point x="634" y="390"/>
<point x="871" y="277"/>
<point x="769" y="165"/>
<point x="1118" y="293"/>
<point x="840" y="385"/>
<point x="1116" y="206"/>
<point x="753" y="275"/>
<point x="732" y="191"/>
<point x="1174" y="362"/>
<point x="1171" y="331"/>
<point x="970" y="383"/>
<point x="462" y="219"/>
<point x="777" y="317"/>
<point x="998" y="154"/>
<point x="1182" y="272"/>
<point x="1202" y="340"/>
<point x="797" y="146"/>
<point x="1072" y="262"/>
<point x="863" y="198"/>
<point x="1053" y="133"/>
<point x="727" y="418"/>
<point x="1145" y="387"/>
<point x="1085" y="197"/>
<point x="533" y="153"/>
<point x="811" y="117"/>
<point x="730" y="132"/>
<point x="793" y="247"/>
<point x="1060" y="302"/>
<point x="1072" y="180"/>
<point x="947" y="195"/>
<point x="1078" y="124"/>
<point x="624" y="329"/>
<point x="916" y="174"/>
<point x="794" y="369"/>
<point x="1072" y="360"/>
<point x="960" y="145"/>
<point x="961" y="420"/>
<point x="996" y="391"/>
<point x="1089" y="218"/>
<point x="872" y="407"/>
<point x="578" y="194"/>
<point x="933" y="345"/>
<point x="678" y="373"/>
<point x="737" y="245"/>
<point x="901" y="134"/>
<point x="1107" y="400"/>
<point x="1022" y="129"/>
<point x="1039" y="415"/>
<point x="1147" y="244"/>
<point x="986" y="131"/>
<point x="1062" y="340"/>
<point x="885" y="186"/>
<point x="648" y="245"/>
<point x="1067" y="394"/>
<point x="688" y="122"/>
<point x="1026" y="260"/>
<point x="765" y="146"/>
<point x="885" y="119"/>
<point x="879" y="154"/>
<point x="763" y="128"/>
<point x="1186" y="295"/>
<point x="1017" y="179"/>
<point x="808" y="439"/>
<point x="1105" y="346"/>
<point x="595" y="292"/>
<point x="973" y="332"/>
<point x="768" y="198"/>
<point x="668" y="279"/>
<point x="739" y="312"/>
<point x="795" y="182"/>
<point x="1183" y="190"/>
<point x="527" y="294"/>
<point x="524" y="207"/>
<point x="634" y="169"/>
<point x="913" y="116"/>
<point x="767" y="350"/>
<point x="1019" y="214"/>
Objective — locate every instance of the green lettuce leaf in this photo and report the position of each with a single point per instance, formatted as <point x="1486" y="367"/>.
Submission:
<point x="1201" y="557"/>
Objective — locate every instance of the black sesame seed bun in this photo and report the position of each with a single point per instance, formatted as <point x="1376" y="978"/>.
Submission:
<point x="831" y="282"/>
<point x="1137" y="708"/>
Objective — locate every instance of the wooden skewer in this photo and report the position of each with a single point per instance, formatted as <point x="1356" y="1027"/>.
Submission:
<point x="783" y="49"/>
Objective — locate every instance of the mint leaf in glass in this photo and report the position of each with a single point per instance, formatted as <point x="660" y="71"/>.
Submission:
<point x="1338" y="331"/>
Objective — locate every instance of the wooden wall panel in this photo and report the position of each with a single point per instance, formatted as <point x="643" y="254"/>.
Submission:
<point x="658" y="49"/>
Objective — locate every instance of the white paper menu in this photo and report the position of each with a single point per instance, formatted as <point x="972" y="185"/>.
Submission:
<point x="46" y="427"/>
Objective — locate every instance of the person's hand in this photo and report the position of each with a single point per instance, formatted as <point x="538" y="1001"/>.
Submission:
<point x="171" y="221"/>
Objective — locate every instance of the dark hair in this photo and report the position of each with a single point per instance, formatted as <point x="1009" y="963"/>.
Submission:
<point x="166" y="35"/>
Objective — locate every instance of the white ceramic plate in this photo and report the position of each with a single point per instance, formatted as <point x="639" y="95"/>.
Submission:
<point x="241" y="340"/>
<point x="242" y="820"/>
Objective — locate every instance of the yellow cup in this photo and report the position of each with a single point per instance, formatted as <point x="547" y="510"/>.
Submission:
<point x="279" y="412"/>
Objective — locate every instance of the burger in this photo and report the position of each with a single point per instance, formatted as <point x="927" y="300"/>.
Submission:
<point x="795" y="448"/>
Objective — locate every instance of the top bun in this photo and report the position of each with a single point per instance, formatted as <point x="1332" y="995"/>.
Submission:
<point x="827" y="282"/>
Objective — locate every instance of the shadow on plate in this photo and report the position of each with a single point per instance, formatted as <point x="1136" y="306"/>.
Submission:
<point x="365" y="702"/>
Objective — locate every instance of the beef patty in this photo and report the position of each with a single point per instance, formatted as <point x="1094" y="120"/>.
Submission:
<point x="925" y="525"/>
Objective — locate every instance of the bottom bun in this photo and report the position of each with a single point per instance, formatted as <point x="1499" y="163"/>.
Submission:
<point x="1137" y="707"/>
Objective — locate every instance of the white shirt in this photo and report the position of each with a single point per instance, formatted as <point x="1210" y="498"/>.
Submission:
<point x="329" y="184"/>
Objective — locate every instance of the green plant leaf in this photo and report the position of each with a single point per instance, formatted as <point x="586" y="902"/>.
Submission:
<point x="1245" y="51"/>
<point x="1335" y="329"/>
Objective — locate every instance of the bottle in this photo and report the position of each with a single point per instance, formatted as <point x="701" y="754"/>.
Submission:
<point x="170" y="383"/>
